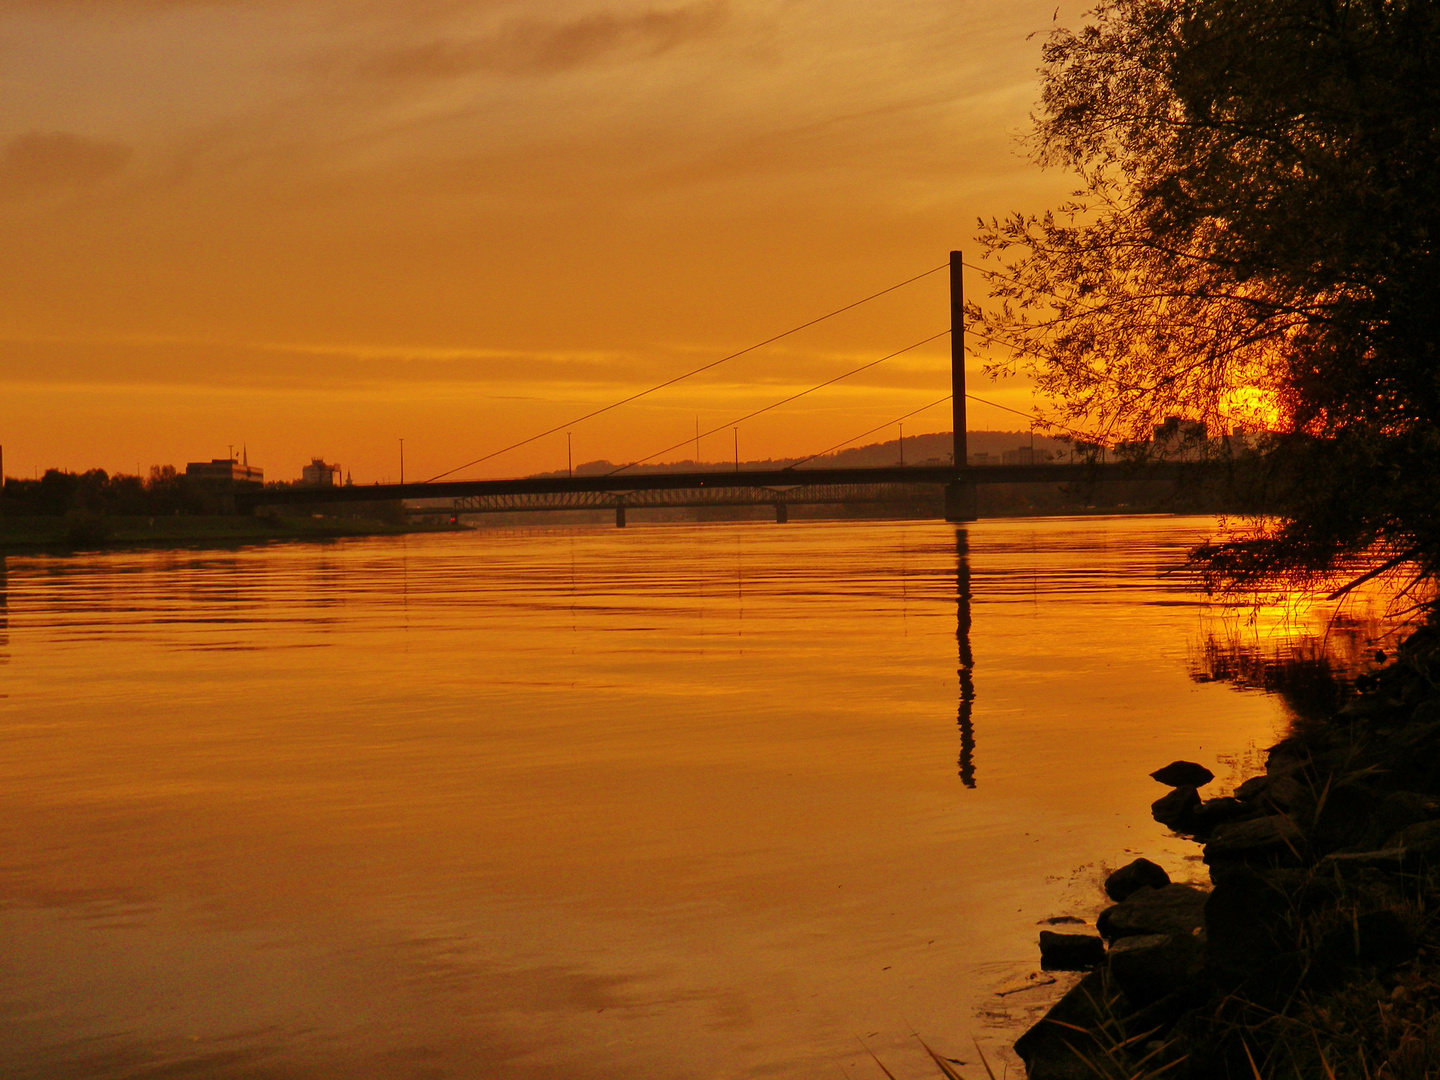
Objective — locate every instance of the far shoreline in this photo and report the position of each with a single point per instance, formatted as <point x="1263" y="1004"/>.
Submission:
<point x="75" y="534"/>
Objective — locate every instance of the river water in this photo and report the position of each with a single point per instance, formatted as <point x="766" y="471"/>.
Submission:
<point x="672" y="801"/>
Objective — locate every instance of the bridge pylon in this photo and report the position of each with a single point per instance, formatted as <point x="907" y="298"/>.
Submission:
<point x="961" y="496"/>
<point x="962" y="500"/>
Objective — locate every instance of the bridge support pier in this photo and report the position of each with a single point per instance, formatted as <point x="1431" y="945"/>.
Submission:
<point x="620" y="515"/>
<point x="782" y="513"/>
<point x="962" y="501"/>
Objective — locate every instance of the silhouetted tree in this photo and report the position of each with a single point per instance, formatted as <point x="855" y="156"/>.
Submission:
<point x="59" y="493"/>
<point x="1252" y="245"/>
<point x="127" y="495"/>
<point x="167" y="492"/>
<point x="55" y="492"/>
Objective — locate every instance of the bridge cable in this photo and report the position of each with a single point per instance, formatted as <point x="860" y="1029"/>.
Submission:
<point x="695" y="371"/>
<point x="1093" y="308"/>
<point x="1095" y="439"/>
<point x="914" y="412"/>
<point x="1071" y="301"/>
<point x="880" y="427"/>
<point x="776" y="404"/>
<point x="1034" y="418"/>
<point x="1026" y="349"/>
<point x="1101" y="375"/>
<point x="1016" y="281"/>
<point x="838" y="378"/>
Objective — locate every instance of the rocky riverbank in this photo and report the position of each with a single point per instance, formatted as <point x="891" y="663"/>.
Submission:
<point x="1316" y="952"/>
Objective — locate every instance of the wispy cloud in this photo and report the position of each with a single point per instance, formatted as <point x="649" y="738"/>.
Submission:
<point x="535" y="46"/>
<point x="41" y="161"/>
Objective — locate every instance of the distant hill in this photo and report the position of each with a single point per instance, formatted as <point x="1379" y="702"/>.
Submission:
<point x="933" y="449"/>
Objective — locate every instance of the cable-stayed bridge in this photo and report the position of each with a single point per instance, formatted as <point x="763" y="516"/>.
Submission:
<point x="621" y="489"/>
<point x="780" y="488"/>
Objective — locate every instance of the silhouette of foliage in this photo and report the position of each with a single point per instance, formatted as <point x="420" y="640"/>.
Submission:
<point x="1251" y="245"/>
<point x="95" y="492"/>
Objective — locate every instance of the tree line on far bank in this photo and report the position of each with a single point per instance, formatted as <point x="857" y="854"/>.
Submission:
<point x="95" y="491"/>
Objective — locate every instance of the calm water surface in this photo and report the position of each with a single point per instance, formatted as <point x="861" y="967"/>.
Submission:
<point x="673" y="801"/>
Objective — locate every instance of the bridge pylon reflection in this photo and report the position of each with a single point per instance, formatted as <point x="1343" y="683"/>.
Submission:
<point x="966" y="659"/>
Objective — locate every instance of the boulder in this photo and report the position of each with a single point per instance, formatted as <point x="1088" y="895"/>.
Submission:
<point x="1272" y="839"/>
<point x="1070" y="952"/>
<point x="1346" y="863"/>
<point x="1243" y="915"/>
<point x="1347" y="819"/>
<point x="1426" y="712"/>
<point x="1140" y="874"/>
<point x="1415" y="735"/>
<point x="1366" y="707"/>
<point x="1051" y="1049"/>
<point x="1286" y="791"/>
<point x="1148" y="967"/>
<point x="1383" y="938"/>
<point x="1286" y="756"/>
<point x="1212" y="813"/>
<point x="1183" y="774"/>
<point x="1421" y="841"/>
<point x="1192" y="1038"/>
<point x="1175" y="909"/>
<point x="1253" y="788"/>
<point x="1158" y="1016"/>
<point x="1401" y="808"/>
<point x="1174" y="809"/>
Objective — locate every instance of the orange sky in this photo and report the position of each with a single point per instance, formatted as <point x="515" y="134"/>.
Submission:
<point x="315" y="227"/>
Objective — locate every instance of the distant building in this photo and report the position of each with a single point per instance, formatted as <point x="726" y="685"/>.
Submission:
<point x="319" y="474"/>
<point x="225" y="471"/>
<point x="1025" y="455"/>
<point x="1179" y="438"/>
<point x="1177" y="430"/>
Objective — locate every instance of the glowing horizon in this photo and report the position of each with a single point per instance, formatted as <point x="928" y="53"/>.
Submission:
<point x="316" y="229"/>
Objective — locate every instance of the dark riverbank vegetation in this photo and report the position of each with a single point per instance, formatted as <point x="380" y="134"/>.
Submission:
<point x="75" y="511"/>
<point x="1316" y="953"/>
<point x="1252" y="247"/>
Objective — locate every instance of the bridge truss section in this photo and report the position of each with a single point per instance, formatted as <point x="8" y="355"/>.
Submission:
<point x="798" y="495"/>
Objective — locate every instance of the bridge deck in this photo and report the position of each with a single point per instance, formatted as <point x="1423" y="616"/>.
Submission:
<point x="776" y="481"/>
